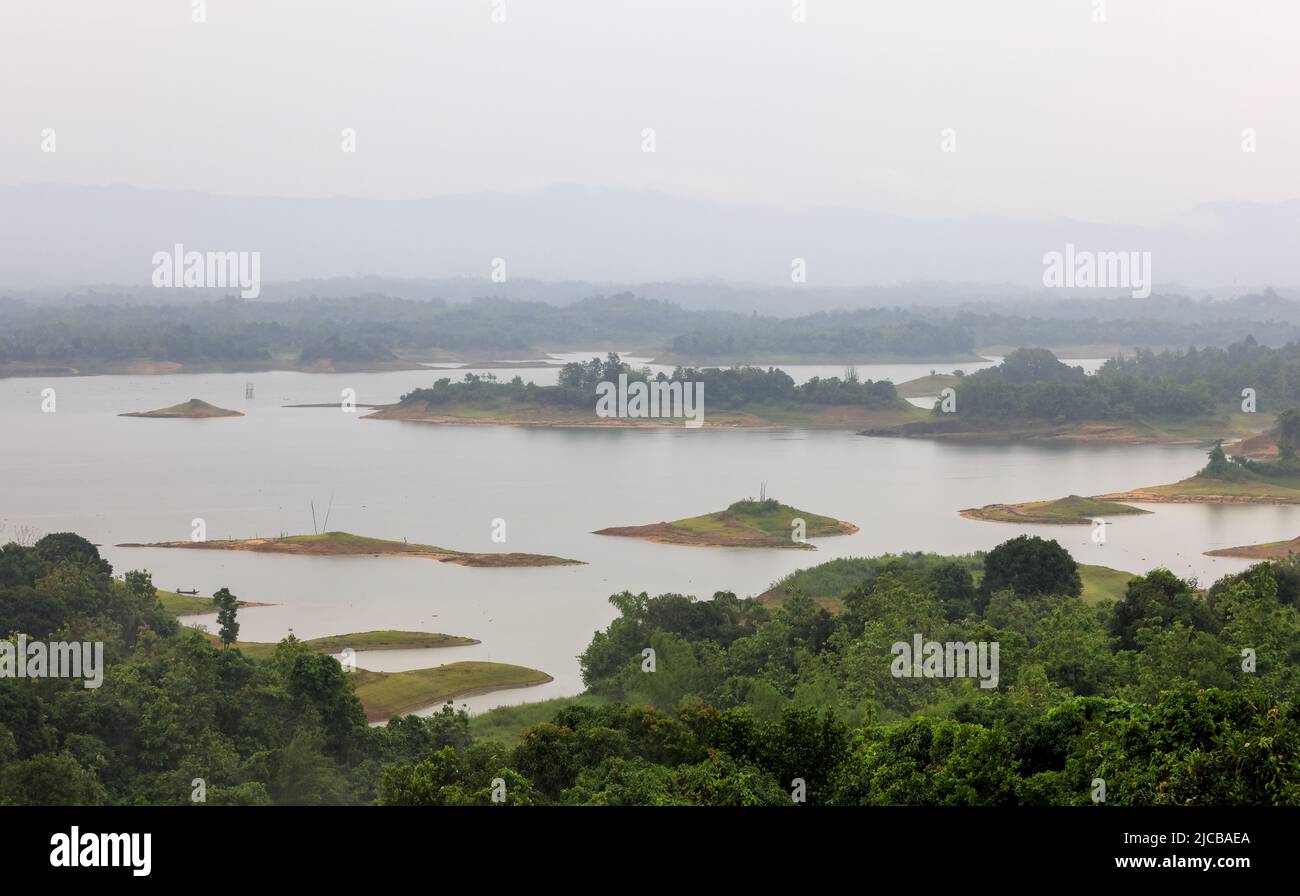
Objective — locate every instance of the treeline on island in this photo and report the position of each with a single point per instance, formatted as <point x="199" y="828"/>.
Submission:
<point x="1149" y="693"/>
<point x="1033" y="384"/>
<point x="731" y="387"/>
<point x="375" y="328"/>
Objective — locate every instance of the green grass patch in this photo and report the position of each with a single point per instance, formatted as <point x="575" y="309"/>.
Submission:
<point x="506" y="724"/>
<point x="358" y="641"/>
<point x="185" y="604"/>
<point x="927" y="386"/>
<point x="1101" y="583"/>
<point x="346" y="542"/>
<point x="386" y="694"/>
<point x="770" y="518"/>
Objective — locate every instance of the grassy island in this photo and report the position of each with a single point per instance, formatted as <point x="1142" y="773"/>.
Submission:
<point x="745" y="524"/>
<point x="194" y="409"/>
<point x="345" y="544"/>
<point x="385" y="694"/>
<point x="1069" y="511"/>
<point x="357" y="641"/>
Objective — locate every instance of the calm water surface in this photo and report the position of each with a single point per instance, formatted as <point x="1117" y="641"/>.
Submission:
<point x="116" y="479"/>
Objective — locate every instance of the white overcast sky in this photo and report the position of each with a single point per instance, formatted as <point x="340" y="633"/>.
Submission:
<point x="1130" y="120"/>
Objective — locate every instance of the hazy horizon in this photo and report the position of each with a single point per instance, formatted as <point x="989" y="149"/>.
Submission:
<point x="1131" y="121"/>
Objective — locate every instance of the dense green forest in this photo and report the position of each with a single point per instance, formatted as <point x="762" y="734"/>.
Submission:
<point x="732" y="387"/>
<point x="371" y="328"/>
<point x="1032" y="383"/>
<point x="1150" y="694"/>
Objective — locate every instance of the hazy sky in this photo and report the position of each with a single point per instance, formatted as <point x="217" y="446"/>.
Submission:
<point x="1128" y="120"/>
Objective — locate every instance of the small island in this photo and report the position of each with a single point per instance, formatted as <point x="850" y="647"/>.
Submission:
<point x="1272" y="550"/>
<point x="1073" y="510"/>
<point x="194" y="409"/>
<point x="345" y="544"/>
<point x="387" y="694"/>
<point x="609" y="393"/>
<point x="766" y="523"/>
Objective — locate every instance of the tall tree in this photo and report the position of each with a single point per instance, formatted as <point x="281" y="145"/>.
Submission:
<point x="227" y="607"/>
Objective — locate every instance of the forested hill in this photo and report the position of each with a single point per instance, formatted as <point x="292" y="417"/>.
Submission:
<point x="1034" y="384"/>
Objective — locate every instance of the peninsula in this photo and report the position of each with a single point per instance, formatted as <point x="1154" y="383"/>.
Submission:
<point x="1272" y="550"/>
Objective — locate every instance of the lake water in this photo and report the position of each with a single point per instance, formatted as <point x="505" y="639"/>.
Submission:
<point x="115" y="479"/>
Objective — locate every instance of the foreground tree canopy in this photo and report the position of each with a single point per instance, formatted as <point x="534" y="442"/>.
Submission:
<point x="1171" y="695"/>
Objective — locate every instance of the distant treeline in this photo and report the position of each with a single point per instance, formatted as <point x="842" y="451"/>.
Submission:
<point x="731" y="387"/>
<point x="1158" y="321"/>
<point x="872" y="333"/>
<point x="365" y="328"/>
<point x="372" y="328"/>
<point x="1032" y="383"/>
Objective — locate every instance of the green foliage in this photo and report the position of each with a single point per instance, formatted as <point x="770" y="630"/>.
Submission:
<point x="728" y="388"/>
<point x="1033" y="384"/>
<point x="1159" y="600"/>
<point x="1027" y="566"/>
<point x="1219" y="467"/>
<point x="1288" y="433"/>
<point x="1171" y="695"/>
<point x="227" y="609"/>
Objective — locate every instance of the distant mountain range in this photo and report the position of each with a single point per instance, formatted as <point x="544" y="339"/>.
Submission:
<point x="582" y="237"/>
